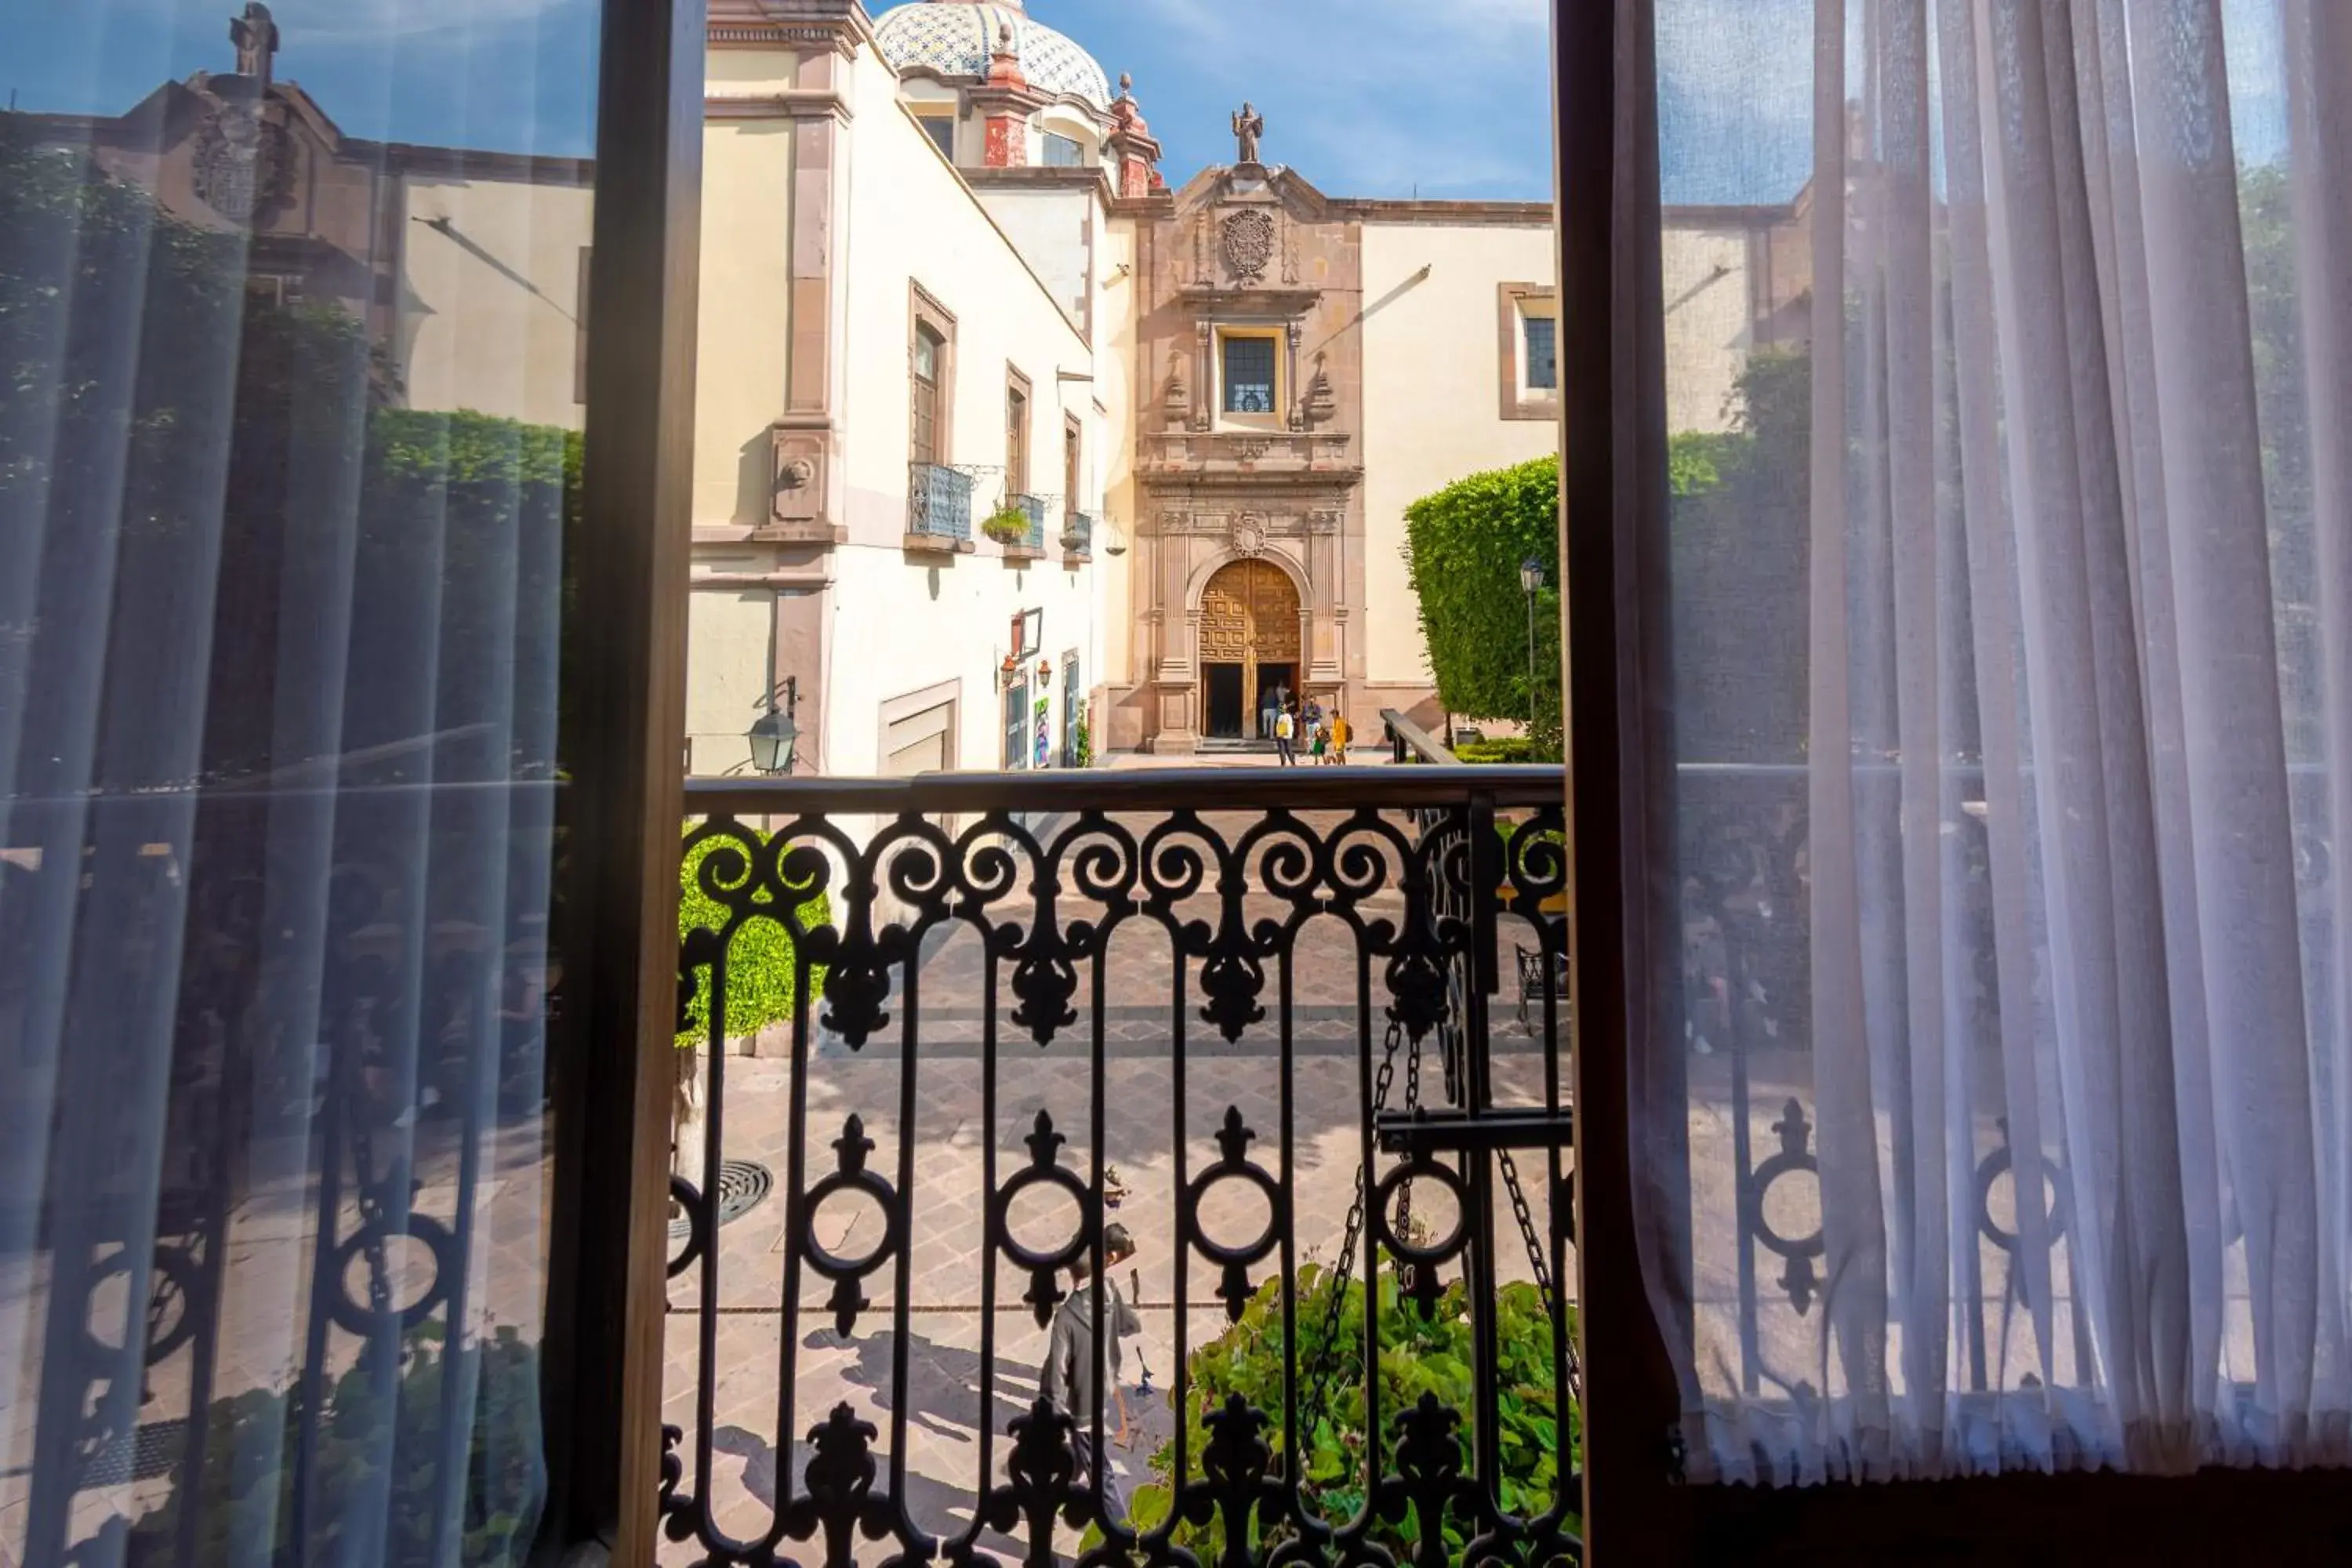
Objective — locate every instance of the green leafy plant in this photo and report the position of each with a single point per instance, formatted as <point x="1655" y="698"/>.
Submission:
<point x="1417" y="1355"/>
<point x="1507" y="749"/>
<point x="1464" y="549"/>
<point x="760" y="981"/>
<point x="1082" y="753"/>
<point x="1007" y="525"/>
<point x="376" y="1465"/>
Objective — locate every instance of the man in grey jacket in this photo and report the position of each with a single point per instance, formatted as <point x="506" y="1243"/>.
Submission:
<point x="1068" y="1380"/>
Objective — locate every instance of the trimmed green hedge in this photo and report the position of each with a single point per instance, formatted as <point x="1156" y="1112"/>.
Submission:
<point x="1508" y="749"/>
<point x="759" y="976"/>
<point x="1463" y="547"/>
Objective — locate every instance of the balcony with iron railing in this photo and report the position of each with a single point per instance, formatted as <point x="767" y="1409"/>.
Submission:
<point x="980" y="1035"/>
<point x="1027" y="541"/>
<point x="938" y="508"/>
<point x="1077" y="536"/>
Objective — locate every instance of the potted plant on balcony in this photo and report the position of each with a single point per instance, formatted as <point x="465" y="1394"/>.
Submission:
<point x="1008" y="525"/>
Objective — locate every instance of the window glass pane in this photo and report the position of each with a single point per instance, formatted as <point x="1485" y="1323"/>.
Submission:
<point x="290" y="448"/>
<point x="1543" y="356"/>
<point x="1249" y="375"/>
<point x="942" y="128"/>
<point x="1062" y="153"/>
<point x="927" y="354"/>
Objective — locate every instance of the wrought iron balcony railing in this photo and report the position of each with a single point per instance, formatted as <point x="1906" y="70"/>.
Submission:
<point x="1078" y="534"/>
<point x="1033" y="507"/>
<point x="939" y="505"/>
<point x="1047" y="1065"/>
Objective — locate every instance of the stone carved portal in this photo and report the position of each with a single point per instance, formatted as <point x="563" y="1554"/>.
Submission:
<point x="1249" y="644"/>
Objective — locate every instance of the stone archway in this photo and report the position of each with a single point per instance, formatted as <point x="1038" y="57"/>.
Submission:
<point x="1249" y="645"/>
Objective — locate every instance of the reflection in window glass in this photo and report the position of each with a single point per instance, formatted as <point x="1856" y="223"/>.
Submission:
<point x="1062" y="153"/>
<point x="1249" y="375"/>
<point x="289" y="452"/>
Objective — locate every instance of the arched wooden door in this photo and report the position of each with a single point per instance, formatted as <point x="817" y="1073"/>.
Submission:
<point x="1249" y="645"/>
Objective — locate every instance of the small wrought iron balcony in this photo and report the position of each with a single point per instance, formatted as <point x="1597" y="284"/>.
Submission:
<point x="938" y="508"/>
<point x="1265" y="1025"/>
<point x="1033" y="507"/>
<point x="1078" y="534"/>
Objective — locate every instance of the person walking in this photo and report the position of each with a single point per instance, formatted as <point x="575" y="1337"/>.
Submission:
<point x="1067" y="1380"/>
<point x="1286" y="730"/>
<point x="1318" y="741"/>
<point x="1269" y="703"/>
<point x="1341" y="732"/>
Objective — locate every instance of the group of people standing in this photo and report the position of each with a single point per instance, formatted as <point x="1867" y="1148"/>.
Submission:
<point x="1292" y="724"/>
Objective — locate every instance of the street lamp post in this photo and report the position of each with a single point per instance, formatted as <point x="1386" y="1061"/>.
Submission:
<point x="1531" y="577"/>
<point x="775" y="737"/>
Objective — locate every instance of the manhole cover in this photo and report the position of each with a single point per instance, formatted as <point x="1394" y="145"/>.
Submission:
<point x="154" y="1450"/>
<point x="742" y="1186"/>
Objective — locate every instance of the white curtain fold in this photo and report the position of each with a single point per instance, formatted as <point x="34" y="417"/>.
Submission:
<point x="2056" y="975"/>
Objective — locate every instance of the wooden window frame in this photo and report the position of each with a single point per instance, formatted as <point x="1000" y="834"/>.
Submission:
<point x="924" y="310"/>
<point x="1020" y="439"/>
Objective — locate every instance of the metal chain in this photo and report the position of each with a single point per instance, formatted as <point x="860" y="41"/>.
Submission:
<point x="1319" y="1388"/>
<point x="1537" y="1263"/>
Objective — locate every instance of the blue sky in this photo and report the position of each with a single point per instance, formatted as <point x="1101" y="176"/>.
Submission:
<point x="1444" y="98"/>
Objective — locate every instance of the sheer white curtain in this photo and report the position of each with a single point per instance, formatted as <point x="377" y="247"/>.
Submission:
<point x="2016" y="787"/>
<point x="284" y="476"/>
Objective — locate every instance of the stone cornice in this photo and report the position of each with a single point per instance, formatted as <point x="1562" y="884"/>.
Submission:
<point x="1505" y="215"/>
<point x="1032" y="175"/>
<point x="837" y="25"/>
<point x="792" y="103"/>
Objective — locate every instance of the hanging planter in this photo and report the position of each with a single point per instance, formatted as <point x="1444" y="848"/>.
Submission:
<point x="1008" y="527"/>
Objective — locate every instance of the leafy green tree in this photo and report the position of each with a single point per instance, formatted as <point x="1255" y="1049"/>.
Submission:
<point x="1463" y="547"/>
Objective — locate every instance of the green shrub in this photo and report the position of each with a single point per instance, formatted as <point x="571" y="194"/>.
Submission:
<point x="1508" y="749"/>
<point x="760" y="979"/>
<point x="1418" y="1356"/>
<point x="376" y="1465"/>
<point x="1463" y="547"/>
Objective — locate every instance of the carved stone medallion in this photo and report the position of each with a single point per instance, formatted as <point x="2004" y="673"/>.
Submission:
<point x="1249" y="245"/>
<point x="239" y="159"/>
<point x="1248" y="533"/>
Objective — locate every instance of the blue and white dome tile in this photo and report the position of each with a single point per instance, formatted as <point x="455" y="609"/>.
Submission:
<point x="955" y="38"/>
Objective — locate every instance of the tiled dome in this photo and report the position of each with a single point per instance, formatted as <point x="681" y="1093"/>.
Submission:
<point x="954" y="37"/>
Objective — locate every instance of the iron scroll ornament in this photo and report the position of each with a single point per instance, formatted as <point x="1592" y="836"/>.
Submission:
<point x="1045" y="891"/>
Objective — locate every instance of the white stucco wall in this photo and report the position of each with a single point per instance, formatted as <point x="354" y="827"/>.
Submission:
<point x="730" y="635"/>
<point x="1433" y="410"/>
<point x="1052" y="226"/>
<point x="744" y="333"/>
<point x="903" y="622"/>
<point x="490" y="306"/>
<point x="1117" y="385"/>
<point x="1707" y="323"/>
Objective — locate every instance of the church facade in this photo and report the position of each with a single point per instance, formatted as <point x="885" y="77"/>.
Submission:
<point x="1213" y="400"/>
